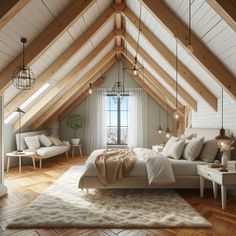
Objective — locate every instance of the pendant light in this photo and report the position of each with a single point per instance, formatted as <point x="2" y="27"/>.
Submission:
<point x="189" y="26"/>
<point x="176" y="114"/>
<point x="137" y="69"/>
<point x="117" y="91"/>
<point x="159" y="131"/>
<point x="168" y="132"/>
<point x="222" y="138"/>
<point x="90" y="88"/>
<point x="23" y="77"/>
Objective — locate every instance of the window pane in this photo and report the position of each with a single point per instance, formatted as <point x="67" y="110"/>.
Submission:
<point x="113" y="118"/>
<point x="108" y="118"/>
<point x="124" y="103"/>
<point x="112" y="135"/>
<point x="108" y="103"/>
<point x="124" y="118"/>
<point x="113" y="105"/>
<point x="124" y="135"/>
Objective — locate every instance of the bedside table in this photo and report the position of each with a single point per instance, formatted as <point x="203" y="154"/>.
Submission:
<point x="157" y="148"/>
<point x="224" y="179"/>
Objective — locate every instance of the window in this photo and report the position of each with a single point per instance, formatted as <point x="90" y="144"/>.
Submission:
<point x="117" y="120"/>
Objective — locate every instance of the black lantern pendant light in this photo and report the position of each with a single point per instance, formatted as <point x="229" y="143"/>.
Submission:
<point x="222" y="137"/>
<point x="176" y="114"/>
<point x="117" y="91"/>
<point x="23" y="77"/>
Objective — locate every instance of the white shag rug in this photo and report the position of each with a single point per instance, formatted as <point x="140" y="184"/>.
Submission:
<point x="64" y="205"/>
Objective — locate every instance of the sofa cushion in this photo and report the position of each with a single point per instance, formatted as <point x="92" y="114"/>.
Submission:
<point x="56" y="141"/>
<point x="51" y="151"/>
<point x="46" y="142"/>
<point x="32" y="142"/>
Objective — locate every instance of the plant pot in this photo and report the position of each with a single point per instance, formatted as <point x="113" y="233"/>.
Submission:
<point x="75" y="141"/>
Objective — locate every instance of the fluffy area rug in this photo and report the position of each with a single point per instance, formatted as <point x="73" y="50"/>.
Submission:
<point x="64" y="205"/>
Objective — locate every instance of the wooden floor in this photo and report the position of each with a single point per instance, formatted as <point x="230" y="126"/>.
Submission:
<point x="23" y="188"/>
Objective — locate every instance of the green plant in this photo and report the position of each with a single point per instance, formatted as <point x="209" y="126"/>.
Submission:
<point x="74" y="121"/>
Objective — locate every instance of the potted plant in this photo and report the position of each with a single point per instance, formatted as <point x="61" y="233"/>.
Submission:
<point x="74" y="121"/>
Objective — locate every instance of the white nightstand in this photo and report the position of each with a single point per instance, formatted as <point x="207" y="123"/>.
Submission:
<point x="225" y="179"/>
<point x="157" y="148"/>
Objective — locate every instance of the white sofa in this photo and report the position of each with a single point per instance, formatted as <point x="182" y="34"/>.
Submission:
<point x="42" y="152"/>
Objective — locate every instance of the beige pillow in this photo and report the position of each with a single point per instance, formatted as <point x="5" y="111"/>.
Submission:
<point x="56" y="141"/>
<point x="45" y="140"/>
<point x="191" y="136"/>
<point x="168" y="145"/>
<point x="192" y="149"/>
<point x="176" y="149"/>
<point x="209" y="150"/>
<point x="32" y="142"/>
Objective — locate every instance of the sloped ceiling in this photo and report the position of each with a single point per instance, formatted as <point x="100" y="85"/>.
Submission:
<point x="37" y="15"/>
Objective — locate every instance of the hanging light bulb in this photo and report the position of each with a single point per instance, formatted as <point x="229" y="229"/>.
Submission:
<point x="159" y="131"/>
<point x="167" y="132"/>
<point x="90" y="88"/>
<point x="176" y="115"/>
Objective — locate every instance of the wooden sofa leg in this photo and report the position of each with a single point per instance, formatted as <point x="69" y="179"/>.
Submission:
<point x="40" y="164"/>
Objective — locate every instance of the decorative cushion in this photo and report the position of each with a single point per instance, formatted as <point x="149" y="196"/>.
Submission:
<point x="45" y="140"/>
<point x="209" y="150"/>
<point x="168" y="145"/>
<point x="192" y="149"/>
<point x="32" y="142"/>
<point x="56" y="141"/>
<point x="176" y="149"/>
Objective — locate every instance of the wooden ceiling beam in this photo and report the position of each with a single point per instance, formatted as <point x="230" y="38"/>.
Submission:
<point x="147" y="88"/>
<point x="159" y="88"/>
<point x="186" y="74"/>
<point x="75" y="101"/>
<point x="41" y="43"/>
<point x="60" y="61"/>
<point x="9" y="8"/>
<point x="66" y="82"/>
<point x="200" y="51"/>
<point x="162" y="73"/>
<point x="226" y="9"/>
<point x="118" y="5"/>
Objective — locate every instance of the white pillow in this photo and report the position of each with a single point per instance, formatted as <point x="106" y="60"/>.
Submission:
<point x="209" y="150"/>
<point x="45" y="140"/>
<point x="191" y="136"/>
<point x="192" y="149"/>
<point x="176" y="149"/>
<point x="56" y="141"/>
<point x="168" y="145"/>
<point x="32" y="142"/>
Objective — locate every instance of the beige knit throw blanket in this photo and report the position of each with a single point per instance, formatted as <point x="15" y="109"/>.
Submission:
<point x="113" y="165"/>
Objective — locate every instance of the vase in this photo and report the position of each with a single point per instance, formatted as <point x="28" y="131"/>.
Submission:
<point x="75" y="141"/>
<point x="224" y="159"/>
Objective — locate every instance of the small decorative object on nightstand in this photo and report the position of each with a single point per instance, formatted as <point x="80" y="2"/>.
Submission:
<point x="157" y="148"/>
<point x="20" y="155"/>
<point x="224" y="179"/>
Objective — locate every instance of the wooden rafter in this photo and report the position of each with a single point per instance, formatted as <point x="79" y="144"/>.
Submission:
<point x="62" y="23"/>
<point x="186" y="74"/>
<point x="200" y="52"/>
<point x="118" y="4"/>
<point x="73" y="93"/>
<point x="64" y="83"/>
<point x="147" y="88"/>
<point x="60" y="61"/>
<point x="150" y="79"/>
<point x="226" y="9"/>
<point x="163" y="74"/>
<point x="9" y="8"/>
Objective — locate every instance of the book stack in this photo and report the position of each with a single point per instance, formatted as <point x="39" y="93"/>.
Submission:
<point x="231" y="165"/>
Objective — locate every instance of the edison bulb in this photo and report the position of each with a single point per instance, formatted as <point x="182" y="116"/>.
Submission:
<point x="90" y="91"/>
<point x="176" y="115"/>
<point x="159" y="131"/>
<point x="135" y="72"/>
<point x="167" y="135"/>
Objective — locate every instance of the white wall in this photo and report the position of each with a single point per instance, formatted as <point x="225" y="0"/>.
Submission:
<point x="110" y="77"/>
<point x="205" y="117"/>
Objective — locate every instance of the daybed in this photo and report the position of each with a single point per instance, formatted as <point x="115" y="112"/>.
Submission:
<point x="185" y="172"/>
<point x="42" y="152"/>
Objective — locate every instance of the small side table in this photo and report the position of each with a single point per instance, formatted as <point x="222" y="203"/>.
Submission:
<point x="20" y="155"/>
<point x="73" y="149"/>
<point x="224" y="179"/>
<point x="157" y="148"/>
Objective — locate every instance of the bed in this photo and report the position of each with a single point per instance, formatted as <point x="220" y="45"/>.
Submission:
<point x="185" y="172"/>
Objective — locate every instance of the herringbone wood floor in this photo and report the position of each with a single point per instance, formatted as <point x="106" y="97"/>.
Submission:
<point x="22" y="189"/>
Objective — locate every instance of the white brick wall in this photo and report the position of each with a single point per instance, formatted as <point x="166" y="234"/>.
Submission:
<point x="205" y="117"/>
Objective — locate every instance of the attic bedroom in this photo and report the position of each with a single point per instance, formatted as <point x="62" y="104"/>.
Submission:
<point x="118" y="117"/>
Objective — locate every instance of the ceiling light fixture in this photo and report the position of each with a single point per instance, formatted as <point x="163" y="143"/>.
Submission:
<point x="176" y="114"/>
<point x="23" y="77"/>
<point x="160" y="130"/>
<point x="90" y="88"/>
<point x="168" y="133"/>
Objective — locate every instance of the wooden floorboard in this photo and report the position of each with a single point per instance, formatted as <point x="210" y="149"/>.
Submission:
<point x="25" y="187"/>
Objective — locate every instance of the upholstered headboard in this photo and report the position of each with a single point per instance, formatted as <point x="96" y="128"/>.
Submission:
<point x="27" y="134"/>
